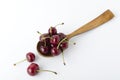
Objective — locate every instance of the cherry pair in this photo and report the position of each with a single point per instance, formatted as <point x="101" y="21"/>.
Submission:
<point x="33" y="68"/>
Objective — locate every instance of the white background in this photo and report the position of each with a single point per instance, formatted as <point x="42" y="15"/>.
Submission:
<point x="96" y="55"/>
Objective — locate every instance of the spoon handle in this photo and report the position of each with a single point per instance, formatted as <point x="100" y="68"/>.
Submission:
<point x="101" y="19"/>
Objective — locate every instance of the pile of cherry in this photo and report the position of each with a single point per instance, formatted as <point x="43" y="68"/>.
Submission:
<point x="52" y="43"/>
<point x="49" y="44"/>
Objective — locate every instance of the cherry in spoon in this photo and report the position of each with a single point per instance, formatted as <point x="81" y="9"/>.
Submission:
<point x="58" y="42"/>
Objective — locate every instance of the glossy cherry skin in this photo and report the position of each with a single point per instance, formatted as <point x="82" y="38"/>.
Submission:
<point x="55" y="39"/>
<point x="53" y="45"/>
<point x="41" y="42"/>
<point x="55" y="51"/>
<point x="33" y="69"/>
<point x="30" y="57"/>
<point x="61" y="35"/>
<point x="43" y="36"/>
<point x="44" y="49"/>
<point x="64" y="45"/>
<point x="52" y="31"/>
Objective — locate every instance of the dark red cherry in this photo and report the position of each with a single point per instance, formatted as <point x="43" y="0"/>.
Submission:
<point x="43" y="36"/>
<point x="42" y="42"/>
<point x="47" y="41"/>
<point x="44" y="49"/>
<point x="55" y="39"/>
<point x="64" y="45"/>
<point x="61" y="35"/>
<point x="52" y="31"/>
<point x="30" y="57"/>
<point x="55" y="51"/>
<point x="53" y="45"/>
<point x="33" y="69"/>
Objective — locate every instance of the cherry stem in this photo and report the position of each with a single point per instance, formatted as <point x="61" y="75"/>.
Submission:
<point x="47" y="71"/>
<point x="63" y="58"/>
<point x="74" y="43"/>
<point x="19" y="62"/>
<point x="59" y="24"/>
<point x="50" y="29"/>
<point x="61" y="42"/>
<point x="38" y="32"/>
<point x="45" y="37"/>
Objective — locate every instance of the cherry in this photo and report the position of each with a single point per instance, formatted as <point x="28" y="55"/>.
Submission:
<point x="64" y="45"/>
<point x="53" y="45"/>
<point x="44" y="36"/>
<point x="42" y="43"/>
<point x="55" y="51"/>
<point x="52" y="31"/>
<point x="47" y="41"/>
<point x="34" y="69"/>
<point x="44" y="49"/>
<point x="55" y="39"/>
<point x="64" y="39"/>
<point x="30" y="57"/>
<point x="61" y="35"/>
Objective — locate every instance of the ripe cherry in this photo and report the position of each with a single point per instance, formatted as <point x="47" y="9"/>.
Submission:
<point x="44" y="49"/>
<point x="55" y="51"/>
<point x="34" y="69"/>
<point x="42" y="43"/>
<point x="44" y="36"/>
<point x="61" y="35"/>
<point x="64" y="45"/>
<point x="52" y="31"/>
<point x="55" y="39"/>
<point x="30" y="57"/>
<point x="53" y="45"/>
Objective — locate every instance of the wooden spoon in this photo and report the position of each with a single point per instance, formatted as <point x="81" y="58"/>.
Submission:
<point x="103" y="18"/>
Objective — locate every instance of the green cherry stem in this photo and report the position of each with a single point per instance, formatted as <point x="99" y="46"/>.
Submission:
<point x="19" y="62"/>
<point x="51" y="29"/>
<point x="47" y="71"/>
<point x="59" y="24"/>
<point x="38" y="32"/>
<point x="61" y="42"/>
<point x="44" y="39"/>
<point x="63" y="58"/>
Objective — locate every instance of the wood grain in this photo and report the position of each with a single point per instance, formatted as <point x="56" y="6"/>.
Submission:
<point x="103" y="18"/>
